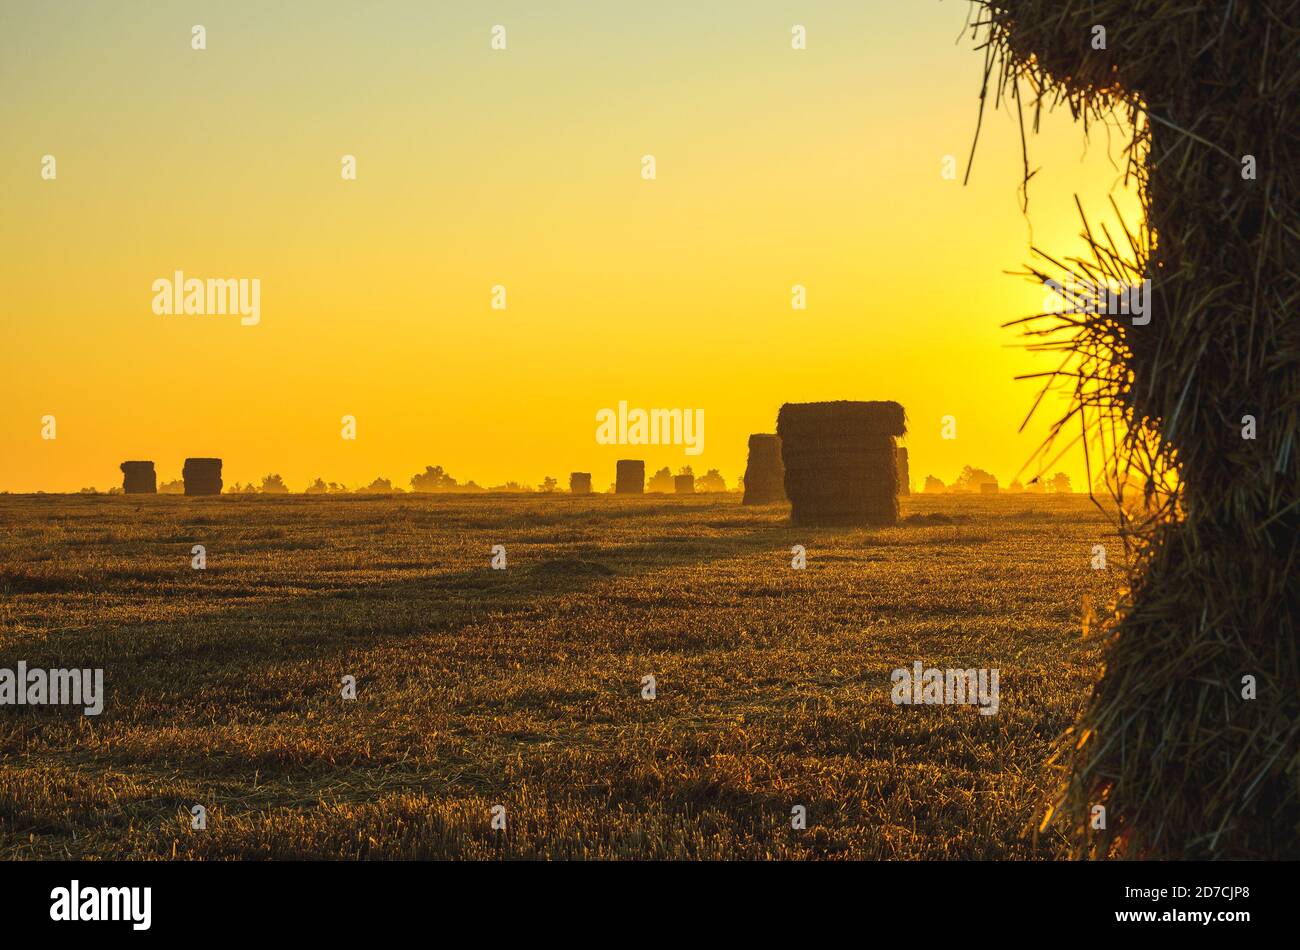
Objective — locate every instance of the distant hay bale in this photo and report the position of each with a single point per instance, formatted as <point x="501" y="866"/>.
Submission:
<point x="840" y="463"/>
<point x="684" y="484"/>
<point x="580" y="483"/>
<point x="629" y="477"/>
<point x="988" y="488"/>
<point x="202" y="476"/>
<point x="904" y="472"/>
<point x="764" y="473"/>
<point x="138" y="478"/>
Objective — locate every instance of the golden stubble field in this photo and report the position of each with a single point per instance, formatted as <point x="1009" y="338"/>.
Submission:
<point x="523" y="687"/>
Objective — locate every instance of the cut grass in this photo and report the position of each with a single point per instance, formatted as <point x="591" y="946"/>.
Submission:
<point x="523" y="687"/>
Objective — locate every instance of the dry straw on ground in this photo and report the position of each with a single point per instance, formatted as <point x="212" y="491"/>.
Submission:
<point x="764" y="473"/>
<point x="1185" y="766"/>
<point x="224" y="688"/>
<point x="840" y="464"/>
<point x="629" y="477"/>
<point x="138" y="478"/>
<point x="202" y="476"/>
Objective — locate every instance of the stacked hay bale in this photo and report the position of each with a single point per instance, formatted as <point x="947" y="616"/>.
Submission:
<point x="764" y="473"/>
<point x="580" y="483"/>
<point x="138" y="478"/>
<point x="1185" y="766"/>
<point x="988" y="488"/>
<point x="629" y="477"/>
<point x="840" y="464"/>
<point x="684" y="484"/>
<point x="904" y="473"/>
<point x="202" y="476"/>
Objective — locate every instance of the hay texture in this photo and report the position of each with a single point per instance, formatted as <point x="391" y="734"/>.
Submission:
<point x="580" y="483"/>
<point x="202" y="476"/>
<point x="764" y="473"/>
<point x="840" y="463"/>
<point x="684" y="484"/>
<point x="1185" y="764"/>
<point x="629" y="477"/>
<point x="138" y="478"/>
<point x="904" y="472"/>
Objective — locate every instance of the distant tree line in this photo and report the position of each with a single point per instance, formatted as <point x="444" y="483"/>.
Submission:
<point x="662" y="480"/>
<point x="435" y="479"/>
<point x="974" y="479"/>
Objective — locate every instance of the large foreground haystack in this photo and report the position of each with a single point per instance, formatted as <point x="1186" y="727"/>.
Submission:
<point x="764" y="473"/>
<point x="629" y="477"/>
<point x="138" y="478"/>
<point x="1190" y="740"/>
<point x="202" y="476"/>
<point x="904" y="472"/>
<point x="580" y="483"/>
<point x="840" y="466"/>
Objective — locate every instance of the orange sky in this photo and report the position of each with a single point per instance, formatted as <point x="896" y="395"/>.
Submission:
<point x="523" y="168"/>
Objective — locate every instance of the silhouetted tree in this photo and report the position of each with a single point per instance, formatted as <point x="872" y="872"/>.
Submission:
<point x="1061" y="483"/>
<point x="274" y="485"/>
<point x="934" y="486"/>
<point x="549" y="484"/>
<point x="971" y="479"/>
<point x="433" y="478"/>
<point x="661" y="480"/>
<point x="711" y="481"/>
<point x="317" y="487"/>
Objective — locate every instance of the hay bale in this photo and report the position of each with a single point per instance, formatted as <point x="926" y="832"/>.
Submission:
<point x="580" y="483"/>
<point x="764" y="473"/>
<point x="629" y="478"/>
<point x="684" y="484"/>
<point x="988" y="488"/>
<point x="904" y="472"/>
<point x="840" y="463"/>
<point x="202" y="476"/>
<point x="138" y="478"/>
<point x="1185" y="766"/>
